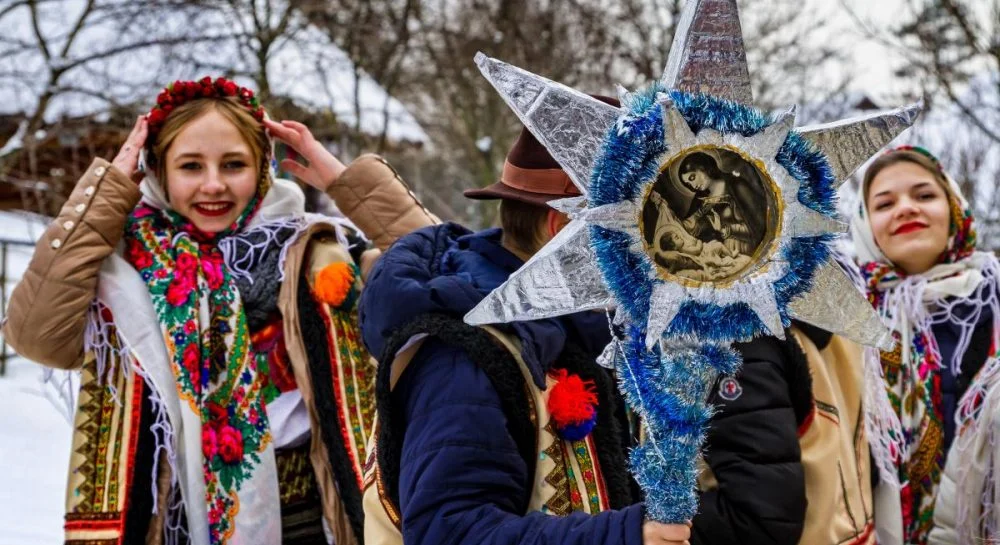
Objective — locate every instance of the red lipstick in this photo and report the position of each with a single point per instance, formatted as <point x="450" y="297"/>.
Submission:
<point x="213" y="209"/>
<point x="909" y="227"/>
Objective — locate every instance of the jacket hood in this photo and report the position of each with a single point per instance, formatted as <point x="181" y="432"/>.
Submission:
<point x="448" y="269"/>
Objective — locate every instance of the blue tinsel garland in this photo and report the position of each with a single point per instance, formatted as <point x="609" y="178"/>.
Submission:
<point x="669" y="390"/>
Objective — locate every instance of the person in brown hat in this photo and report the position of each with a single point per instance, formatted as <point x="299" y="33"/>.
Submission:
<point x="485" y="433"/>
<point x="529" y="180"/>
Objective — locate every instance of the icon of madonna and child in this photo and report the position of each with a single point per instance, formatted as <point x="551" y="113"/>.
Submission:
<point x="707" y="214"/>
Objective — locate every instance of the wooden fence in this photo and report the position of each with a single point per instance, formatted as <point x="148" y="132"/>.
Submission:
<point x="5" y="245"/>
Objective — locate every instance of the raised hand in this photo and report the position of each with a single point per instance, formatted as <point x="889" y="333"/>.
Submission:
<point x="127" y="159"/>
<point x="324" y="169"/>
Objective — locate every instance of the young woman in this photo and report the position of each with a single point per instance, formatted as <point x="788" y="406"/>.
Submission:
<point x="225" y="395"/>
<point x="916" y="243"/>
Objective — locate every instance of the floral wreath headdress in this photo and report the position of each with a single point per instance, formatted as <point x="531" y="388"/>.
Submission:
<point x="181" y="92"/>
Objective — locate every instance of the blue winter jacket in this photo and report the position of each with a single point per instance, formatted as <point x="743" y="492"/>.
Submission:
<point x="462" y="480"/>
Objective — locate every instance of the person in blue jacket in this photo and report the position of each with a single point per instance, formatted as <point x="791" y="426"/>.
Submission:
<point x="462" y="456"/>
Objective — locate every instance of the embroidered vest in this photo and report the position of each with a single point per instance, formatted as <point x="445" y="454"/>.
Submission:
<point x="111" y="439"/>
<point x="834" y="448"/>
<point x="109" y="500"/>
<point x="568" y="476"/>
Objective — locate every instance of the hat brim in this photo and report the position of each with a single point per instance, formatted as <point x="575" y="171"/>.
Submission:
<point x="499" y="190"/>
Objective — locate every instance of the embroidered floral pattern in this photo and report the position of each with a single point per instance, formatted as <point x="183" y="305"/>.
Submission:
<point x="217" y="373"/>
<point x="584" y="452"/>
<point x="914" y="389"/>
<point x="353" y="382"/>
<point x="575" y="477"/>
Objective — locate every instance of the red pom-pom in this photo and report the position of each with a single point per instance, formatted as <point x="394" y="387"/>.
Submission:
<point x="572" y="400"/>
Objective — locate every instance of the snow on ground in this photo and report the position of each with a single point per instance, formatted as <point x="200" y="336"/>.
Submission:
<point x="34" y="435"/>
<point x="34" y="457"/>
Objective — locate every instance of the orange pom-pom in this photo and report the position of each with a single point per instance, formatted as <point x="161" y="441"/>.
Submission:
<point x="572" y="400"/>
<point x="334" y="283"/>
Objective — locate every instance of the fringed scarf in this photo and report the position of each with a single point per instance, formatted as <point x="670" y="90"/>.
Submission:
<point x="205" y="327"/>
<point x="903" y="392"/>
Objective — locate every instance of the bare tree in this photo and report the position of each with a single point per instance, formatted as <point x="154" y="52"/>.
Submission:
<point x="74" y="52"/>
<point x="950" y="51"/>
<point x="377" y="37"/>
<point x="947" y="44"/>
<point x="590" y="44"/>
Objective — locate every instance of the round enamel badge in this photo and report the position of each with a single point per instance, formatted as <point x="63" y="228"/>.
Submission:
<point x="730" y="389"/>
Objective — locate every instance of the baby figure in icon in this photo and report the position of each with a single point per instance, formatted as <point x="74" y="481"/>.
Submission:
<point x="697" y="215"/>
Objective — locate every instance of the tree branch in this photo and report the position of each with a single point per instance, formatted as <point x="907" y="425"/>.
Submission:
<point x="76" y="28"/>
<point x="138" y="45"/>
<point x="33" y="6"/>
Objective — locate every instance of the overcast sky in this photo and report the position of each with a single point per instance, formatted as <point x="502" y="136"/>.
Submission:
<point x="851" y="24"/>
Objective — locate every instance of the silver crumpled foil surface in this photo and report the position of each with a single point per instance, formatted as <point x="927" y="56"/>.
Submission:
<point x="848" y="143"/>
<point x="570" y="124"/>
<point x="707" y="55"/>
<point x="562" y="278"/>
<point x="835" y="304"/>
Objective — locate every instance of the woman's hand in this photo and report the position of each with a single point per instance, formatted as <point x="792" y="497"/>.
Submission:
<point x="657" y="533"/>
<point x="324" y="169"/>
<point x="127" y="159"/>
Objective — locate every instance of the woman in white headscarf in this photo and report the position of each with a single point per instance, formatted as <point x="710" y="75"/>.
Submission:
<point x="225" y="396"/>
<point x="931" y="401"/>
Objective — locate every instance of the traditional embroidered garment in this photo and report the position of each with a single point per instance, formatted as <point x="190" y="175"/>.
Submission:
<point x="906" y="417"/>
<point x="135" y="471"/>
<point x="227" y="374"/>
<point x="577" y="469"/>
<point x="202" y="318"/>
<point x="339" y="371"/>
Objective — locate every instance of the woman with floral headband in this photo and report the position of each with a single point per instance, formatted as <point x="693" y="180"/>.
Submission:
<point x="225" y="396"/>
<point x="930" y="415"/>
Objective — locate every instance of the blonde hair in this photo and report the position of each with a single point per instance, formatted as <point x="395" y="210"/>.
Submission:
<point x="229" y="107"/>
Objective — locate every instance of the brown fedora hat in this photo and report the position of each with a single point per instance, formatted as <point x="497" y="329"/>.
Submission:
<point x="530" y="174"/>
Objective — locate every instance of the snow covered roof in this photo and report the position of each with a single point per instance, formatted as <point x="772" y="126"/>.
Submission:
<point x="309" y="67"/>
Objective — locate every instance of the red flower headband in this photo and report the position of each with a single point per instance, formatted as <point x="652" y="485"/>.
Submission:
<point x="179" y="92"/>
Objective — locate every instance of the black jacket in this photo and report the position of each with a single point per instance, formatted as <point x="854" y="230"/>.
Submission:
<point x="753" y="447"/>
<point x="953" y="386"/>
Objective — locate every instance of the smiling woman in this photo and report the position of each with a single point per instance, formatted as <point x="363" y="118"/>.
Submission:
<point x="187" y="303"/>
<point x="212" y="170"/>
<point x="910" y="207"/>
<point x="916" y="243"/>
